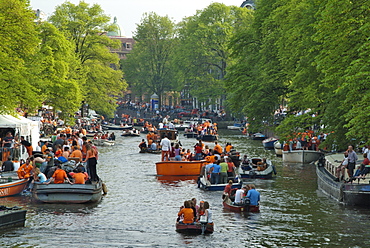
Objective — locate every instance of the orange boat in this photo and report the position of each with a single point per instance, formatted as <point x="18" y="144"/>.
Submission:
<point x="11" y="185"/>
<point x="179" y="168"/>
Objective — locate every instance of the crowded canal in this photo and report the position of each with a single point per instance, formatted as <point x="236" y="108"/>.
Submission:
<point x="140" y="209"/>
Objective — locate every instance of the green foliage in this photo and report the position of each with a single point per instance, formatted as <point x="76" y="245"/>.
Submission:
<point x="18" y="43"/>
<point x="148" y="67"/>
<point x="85" y="27"/>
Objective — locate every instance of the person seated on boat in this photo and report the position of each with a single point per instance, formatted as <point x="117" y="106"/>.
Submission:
<point x="38" y="176"/>
<point x="245" y="164"/>
<point x="160" y="126"/>
<point x="239" y="195"/>
<point x="172" y="152"/>
<point x="112" y="137"/>
<point x="79" y="177"/>
<point x="201" y="210"/>
<point x="262" y="165"/>
<point x="186" y="213"/>
<point x="217" y="149"/>
<point x="194" y="206"/>
<point x="25" y="170"/>
<point x="66" y="152"/>
<point x="39" y="161"/>
<point x="76" y="154"/>
<point x="227" y="190"/>
<point x="231" y="168"/>
<point x="366" y="167"/>
<point x="253" y="195"/>
<point x="59" y="151"/>
<point x="171" y="125"/>
<point x="223" y="171"/>
<point x="340" y="170"/>
<point x="208" y="213"/>
<point x="59" y="176"/>
<point x="228" y="147"/>
<point x="177" y="152"/>
<point x="188" y="155"/>
<point x="210" y="158"/>
<point x="142" y="145"/>
<point x="152" y="147"/>
<point x="206" y="151"/>
<point x="8" y="165"/>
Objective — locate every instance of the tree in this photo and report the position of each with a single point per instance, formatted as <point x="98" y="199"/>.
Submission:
<point x="202" y="55"/>
<point x="18" y="44"/>
<point x="86" y="26"/>
<point x="148" y="66"/>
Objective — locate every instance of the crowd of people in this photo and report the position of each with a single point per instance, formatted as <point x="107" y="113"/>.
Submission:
<point x="44" y="164"/>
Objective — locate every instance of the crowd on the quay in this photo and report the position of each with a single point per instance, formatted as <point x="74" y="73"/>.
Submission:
<point x="307" y="140"/>
<point x="349" y="164"/>
<point x="191" y="213"/>
<point x="69" y="156"/>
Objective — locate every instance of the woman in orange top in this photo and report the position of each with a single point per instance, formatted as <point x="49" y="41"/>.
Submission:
<point x="187" y="213"/>
<point x="59" y="151"/>
<point x="91" y="162"/>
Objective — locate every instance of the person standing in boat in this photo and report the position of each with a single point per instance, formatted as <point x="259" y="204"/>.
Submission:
<point x="216" y="170"/>
<point x="352" y="158"/>
<point x="91" y="162"/>
<point x="253" y="195"/>
<point x="166" y="148"/>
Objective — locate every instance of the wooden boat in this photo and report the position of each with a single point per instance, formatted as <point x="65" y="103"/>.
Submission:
<point x="12" y="217"/>
<point x="258" y="136"/>
<point x="179" y="168"/>
<point x="254" y="173"/>
<point x="171" y="134"/>
<point x="278" y="147"/>
<point x="116" y="127"/>
<point x="205" y="184"/>
<point x="103" y="142"/>
<point x="244" y="208"/>
<point x="355" y="193"/>
<point x="269" y="142"/>
<point x="191" y="134"/>
<point x="301" y="156"/>
<point x="195" y="228"/>
<point x="10" y="184"/>
<point x="207" y="137"/>
<point x="67" y="193"/>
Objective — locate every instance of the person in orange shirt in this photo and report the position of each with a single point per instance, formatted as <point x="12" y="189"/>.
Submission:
<point x="44" y="147"/>
<point x="186" y="213"/>
<point x="25" y="170"/>
<point x="59" y="176"/>
<point x="59" y="151"/>
<point x="217" y="149"/>
<point x="27" y="145"/>
<point x="76" y="154"/>
<point x="79" y="177"/>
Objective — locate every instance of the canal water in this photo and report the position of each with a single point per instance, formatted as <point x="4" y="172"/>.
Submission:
<point x="140" y="210"/>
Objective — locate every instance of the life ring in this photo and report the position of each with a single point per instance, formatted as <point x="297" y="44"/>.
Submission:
<point x="105" y="189"/>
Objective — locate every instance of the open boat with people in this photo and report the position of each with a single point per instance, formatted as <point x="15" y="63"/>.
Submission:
<point x="205" y="184"/>
<point x="10" y="184"/>
<point x="67" y="193"/>
<point x="354" y="192"/>
<point x="103" y="142"/>
<point x="256" y="168"/>
<point x="301" y="156"/>
<point x="179" y="168"/>
<point x="194" y="228"/>
<point x="207" y="137"/>
<point x="245" y="207"/>
<point x="116" y="127"/>
<point x="132" y="132"/>
<point x="258" y="136"/>
<point x="12" y="217"/>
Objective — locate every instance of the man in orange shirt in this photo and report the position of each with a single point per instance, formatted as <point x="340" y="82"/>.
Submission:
<point x="76" y="154"/>
<point x="25" y="170"/>
<point x="59" y="176"/>
<point x="217" y="149"/>
<point x="79" y="177"/>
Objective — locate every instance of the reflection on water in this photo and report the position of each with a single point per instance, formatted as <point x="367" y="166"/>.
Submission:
<point x="140" y="209"/>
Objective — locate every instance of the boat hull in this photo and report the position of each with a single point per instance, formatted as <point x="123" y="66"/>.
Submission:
<point x="301" y="156"/>
<point x="278" y="148"/>
<point x="194" y="228"/>
<point x="207" y="137"/>
<point x="265" y="174"/>
<point x="179" y="168"/>
<point x="241" y="209"/>
<point x="66" y="193"/>
<point x="269" y="143"/>
<point x="357" y="194"/>
<point x="190" y="135"/>
<point x="13" y="186"/>
<point x="12" y="218"/>
<point x="204" y="184"/>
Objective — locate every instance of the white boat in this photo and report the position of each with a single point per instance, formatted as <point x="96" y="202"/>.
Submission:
<point x="301" y="156"/>
<point x="278" y="148"/>
<point x="236" y="126"/>
<point x="103" y="142"/>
